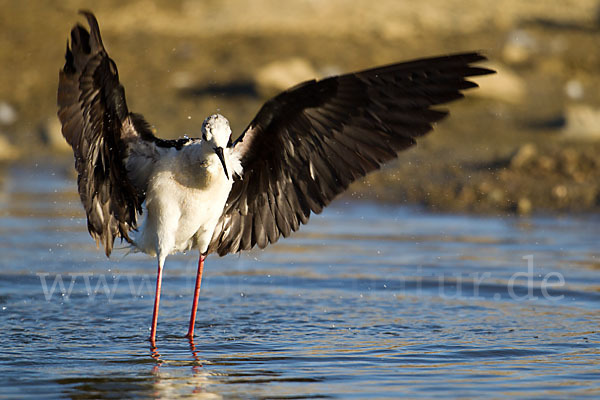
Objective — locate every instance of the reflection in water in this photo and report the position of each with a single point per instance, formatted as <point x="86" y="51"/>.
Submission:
<point x="169" y="383"/>
<point x="156" y="356"/>
<point x="409" y="304"/>
<point x="198" y="363"/>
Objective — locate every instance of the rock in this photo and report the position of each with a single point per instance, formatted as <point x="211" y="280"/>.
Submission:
<point x="560" y="191"/>
<point x="505" y="85"/>
<point x="582" y="122"/>
<point x="283" y="74"/>
<point x="574" y="89"/>
<point x="51" y="135"/>
<point x="524" y="206"/>
<point x="524" y="155"/>
<point x="466" y="195"/>
<point x="546" y="163"/>
<point x="497" y="196"/>
<point x="518" y="47"/>
<point x="569" y="162"/>
<point x="8" y="114"/>
<point x="8" y="152"/>
<point x="183" y="80"/>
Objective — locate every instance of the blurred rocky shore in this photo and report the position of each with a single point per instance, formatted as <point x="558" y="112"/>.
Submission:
<point x="526" y="141"/>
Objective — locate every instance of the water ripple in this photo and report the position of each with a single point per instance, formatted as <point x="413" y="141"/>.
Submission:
<point x="409" y="304"/>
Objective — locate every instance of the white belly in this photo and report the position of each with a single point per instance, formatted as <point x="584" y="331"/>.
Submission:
<point x="183" y="205"/>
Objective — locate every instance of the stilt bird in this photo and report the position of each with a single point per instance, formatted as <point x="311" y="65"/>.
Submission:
<point x="304" y="147"/>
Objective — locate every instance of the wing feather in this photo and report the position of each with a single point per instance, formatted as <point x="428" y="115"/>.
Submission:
<point x="113" y="148"/>
<point x="306" y="145"/>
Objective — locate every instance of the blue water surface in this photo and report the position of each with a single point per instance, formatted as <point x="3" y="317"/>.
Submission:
<point x="366" y="301"/>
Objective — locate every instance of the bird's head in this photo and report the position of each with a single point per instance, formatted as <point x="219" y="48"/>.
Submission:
<point x="216" y="132"/>
<point x="216" y="129"/>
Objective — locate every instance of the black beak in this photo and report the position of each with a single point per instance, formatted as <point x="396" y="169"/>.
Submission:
<point x="219" y="152"/>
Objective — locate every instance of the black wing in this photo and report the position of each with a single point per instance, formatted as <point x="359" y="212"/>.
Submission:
<point x="306" y="145"/>
<point x="104" y="134"/>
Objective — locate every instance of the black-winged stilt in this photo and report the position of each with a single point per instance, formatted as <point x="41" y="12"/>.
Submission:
<point x="304" y="147"/>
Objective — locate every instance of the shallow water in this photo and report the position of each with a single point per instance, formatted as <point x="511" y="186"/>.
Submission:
<point x="365" y="301"/>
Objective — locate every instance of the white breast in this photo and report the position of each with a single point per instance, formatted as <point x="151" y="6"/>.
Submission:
<point x="185" y="197"/>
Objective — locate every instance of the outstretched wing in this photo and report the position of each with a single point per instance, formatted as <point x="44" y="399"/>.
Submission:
<point x="106" y="138"/>
<point x="306" y="145"/>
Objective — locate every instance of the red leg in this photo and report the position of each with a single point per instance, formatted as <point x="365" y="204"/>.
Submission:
<point x="156" y="301"/>
<point x="190" y="333"/>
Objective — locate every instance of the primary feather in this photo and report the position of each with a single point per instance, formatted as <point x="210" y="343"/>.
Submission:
<point x="310" y="142"/>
